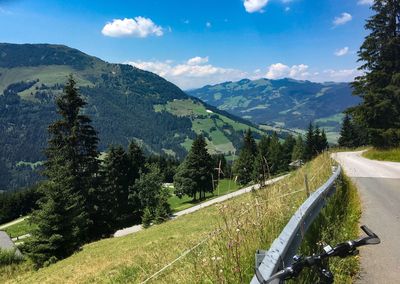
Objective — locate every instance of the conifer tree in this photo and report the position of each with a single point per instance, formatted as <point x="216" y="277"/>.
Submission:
<point x="137" y="160"/>
<point x="379" y="112"/>
<point x="150" y="197"/>
<point x="287" y="151"/>
<point x="298" y="149"/>
<point x="64" y="216"/>
<point x="195" y="173"/>
<point x="276" y="154"/>
<point x="323" y="141"/>
<point x="147" y="218"/>
<point x="116" y="183"/>
<point x="309" y="147"/>
<point x="244" y="165"/>
<point x="261" y="164"/>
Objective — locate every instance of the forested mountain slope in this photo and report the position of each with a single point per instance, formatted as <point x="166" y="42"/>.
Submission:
<point x="124" y="103"/>
<point x="285" y="103"/>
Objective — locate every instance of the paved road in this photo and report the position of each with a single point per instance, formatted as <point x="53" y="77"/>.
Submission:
<point x="379" y="186"/>
<point x="138" y="228"/>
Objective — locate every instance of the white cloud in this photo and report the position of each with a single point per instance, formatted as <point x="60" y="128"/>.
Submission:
<point x="304" y="72"/>
<point x="365" y="2"/>
<point x="287" y="9"/>
<point x="252" y="6"/>
<point x="342" y="75"/>
<point x="197" y="60"/>
<point x="137" y="27"/>
<point x="341" y="52"/>
<point x="208" y="25"/>
<point x="342" y="19"/>
<point x="193" y="73"/>
<point x="279" y="70"/>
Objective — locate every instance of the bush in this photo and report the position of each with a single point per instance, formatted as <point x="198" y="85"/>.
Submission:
<point x="147" y="218"/>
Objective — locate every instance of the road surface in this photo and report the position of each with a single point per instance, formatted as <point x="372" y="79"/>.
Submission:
<point x="379" y="187"/>
<point x="222" y="198"/>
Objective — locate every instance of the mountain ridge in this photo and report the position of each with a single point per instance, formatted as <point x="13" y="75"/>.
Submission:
<point x="286" y="103"/>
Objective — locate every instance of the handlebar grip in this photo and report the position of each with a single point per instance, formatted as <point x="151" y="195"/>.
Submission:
<point x="372" y="238"/>
<point x="368" y="231"/>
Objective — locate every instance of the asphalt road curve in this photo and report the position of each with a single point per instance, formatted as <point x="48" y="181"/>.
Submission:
<point x="379" y="187"/>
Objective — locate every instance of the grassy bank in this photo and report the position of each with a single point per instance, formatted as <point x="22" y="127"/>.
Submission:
<point x="222" y="241"/>
<point x="391" y="155"/>
<point x="337" y="222"/>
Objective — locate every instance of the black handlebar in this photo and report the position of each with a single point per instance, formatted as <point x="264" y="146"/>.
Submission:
<point x="342" y="250"/>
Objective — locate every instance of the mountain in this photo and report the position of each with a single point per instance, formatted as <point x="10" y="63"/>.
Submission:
<point x="124" y="103"/>
<point x="284" y="103"/>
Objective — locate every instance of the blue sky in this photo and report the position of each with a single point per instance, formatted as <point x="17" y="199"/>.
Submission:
<point x="193" y="43"/>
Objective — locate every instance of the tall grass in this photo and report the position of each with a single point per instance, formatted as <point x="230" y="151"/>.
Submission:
<point x="392" y="155"/>
<point x="8" y="257"/>
<point x="246" y="225"/>
<point x="338" y="222"/>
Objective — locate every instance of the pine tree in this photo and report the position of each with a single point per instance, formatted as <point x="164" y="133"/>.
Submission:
<point x="276" y="154"/>
<point x="137" y="160"/>
<point x="298" y="149"/>
<point x="379" y="112"/>
<point x="64" y="216"/>
<point x="195" y="173"/>
<point x="346" y="133"/>
<point x="244" y="165"/>
<point x="309" y="147"/>
<point x="320" y="141"/>
<point x="287" y="151"/>
<point x="147" y="218"/>
<point x="116" y="183"/>
<point x="261" y="165"/>
<point x="323" y="141"/>
<point x="151" y="196"/>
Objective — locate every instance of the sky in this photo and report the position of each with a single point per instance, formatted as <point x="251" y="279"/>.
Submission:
<point x="193" y="43"/>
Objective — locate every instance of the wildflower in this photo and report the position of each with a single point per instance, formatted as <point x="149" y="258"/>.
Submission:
<point x="237" y="230"/>
<point x="220" y="271"/>
<point x="219" y="258"/>
<point x="213" y="258"/>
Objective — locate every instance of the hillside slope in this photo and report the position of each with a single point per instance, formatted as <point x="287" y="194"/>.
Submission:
<point x="285" y="103"/>
<point x="124" y="103"/>
<point x="134" y="258"/>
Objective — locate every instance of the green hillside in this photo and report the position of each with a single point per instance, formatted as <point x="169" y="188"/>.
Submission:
<point x="124" y="103"/>
<point x="228" y="236"/>
<point x="282" y="104"/>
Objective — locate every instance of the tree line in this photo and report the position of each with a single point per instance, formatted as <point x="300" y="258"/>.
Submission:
<point x="270" y="156"/>
<point x="85" y="198"/>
